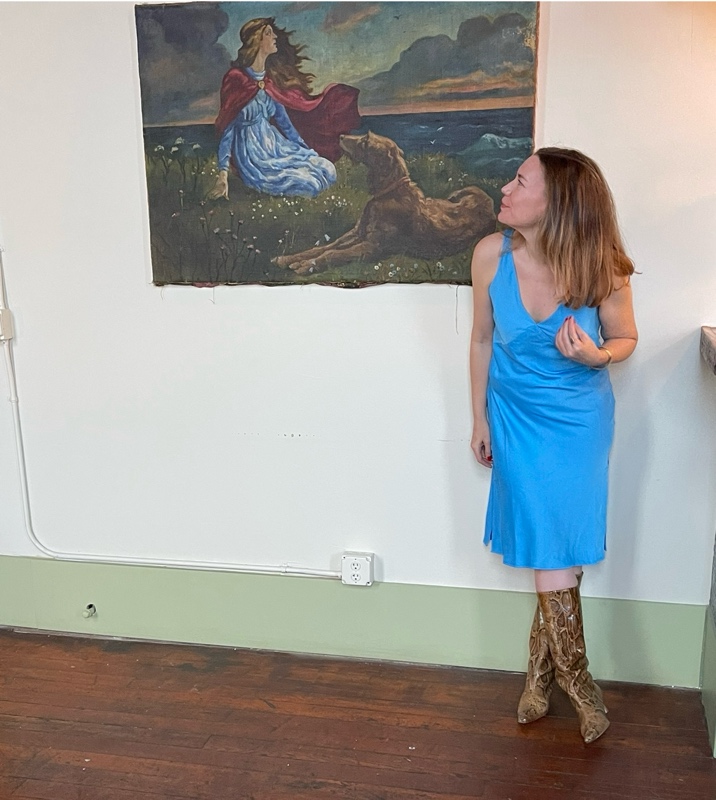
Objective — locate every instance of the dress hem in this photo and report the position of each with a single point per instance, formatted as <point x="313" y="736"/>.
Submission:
<point x="578" y="563"/>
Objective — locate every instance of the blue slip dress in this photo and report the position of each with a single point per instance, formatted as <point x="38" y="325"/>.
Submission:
<point x="551" y="427"/>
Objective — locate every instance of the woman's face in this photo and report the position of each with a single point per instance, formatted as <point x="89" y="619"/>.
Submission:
<point x="268" y="41"/>
<point x="524" y="199"/>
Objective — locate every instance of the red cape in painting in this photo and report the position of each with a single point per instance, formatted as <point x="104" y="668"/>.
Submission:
<point x="320" y="119"/>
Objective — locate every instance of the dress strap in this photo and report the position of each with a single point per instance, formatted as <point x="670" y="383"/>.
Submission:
<point x="503" y="273"/>
<point x="506" y="241"/>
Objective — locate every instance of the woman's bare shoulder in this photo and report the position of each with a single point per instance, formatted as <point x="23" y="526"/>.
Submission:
<point x="485" y="257"/>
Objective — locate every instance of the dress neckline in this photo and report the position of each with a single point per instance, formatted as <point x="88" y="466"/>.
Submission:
<point x="518" y="291"/>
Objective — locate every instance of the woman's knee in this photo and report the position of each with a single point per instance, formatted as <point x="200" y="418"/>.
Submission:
<point x="554" y="580"/>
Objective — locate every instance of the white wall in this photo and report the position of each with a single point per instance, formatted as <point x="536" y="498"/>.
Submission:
<point x="272" y="425"/>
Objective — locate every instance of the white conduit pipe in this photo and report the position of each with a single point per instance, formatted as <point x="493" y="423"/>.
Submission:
<point x="6" y="336"/>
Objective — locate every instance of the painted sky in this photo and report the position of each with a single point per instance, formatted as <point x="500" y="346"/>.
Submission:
<point x="348" y="42"/>
<point x="401" y="55"/>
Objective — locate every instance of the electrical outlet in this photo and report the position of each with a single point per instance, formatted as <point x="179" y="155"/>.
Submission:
<point x="357" y="569"/>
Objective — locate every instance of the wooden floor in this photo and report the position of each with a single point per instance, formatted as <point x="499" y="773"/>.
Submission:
<point x="85" y="719"/>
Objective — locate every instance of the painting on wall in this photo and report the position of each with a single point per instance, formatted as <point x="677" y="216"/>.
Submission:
<point x="339" y="143"/>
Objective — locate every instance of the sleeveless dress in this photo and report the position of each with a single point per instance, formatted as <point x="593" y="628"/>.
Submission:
<point x="551" y="427"/>
<point x="272" y="159"/>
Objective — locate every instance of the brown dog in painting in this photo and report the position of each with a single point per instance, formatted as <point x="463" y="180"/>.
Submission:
<point x="399" y="218"/>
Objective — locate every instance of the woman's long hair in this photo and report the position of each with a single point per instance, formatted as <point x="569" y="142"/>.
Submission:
<point x="283" y="66"/>
<point x="579" y="234"/>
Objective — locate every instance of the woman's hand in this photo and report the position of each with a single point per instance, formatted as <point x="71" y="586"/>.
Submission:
<point x="480" y="442"/>
<point x="221" y="186"/>
<point x="574" y="343"/>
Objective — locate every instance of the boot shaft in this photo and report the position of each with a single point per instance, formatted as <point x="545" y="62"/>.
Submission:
<point x="562" y="616"/>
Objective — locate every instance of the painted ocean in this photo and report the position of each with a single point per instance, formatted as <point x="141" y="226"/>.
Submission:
<point x="491" y="142"/>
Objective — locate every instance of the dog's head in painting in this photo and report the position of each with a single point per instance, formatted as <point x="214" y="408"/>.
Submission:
<point x="384" y="159"/>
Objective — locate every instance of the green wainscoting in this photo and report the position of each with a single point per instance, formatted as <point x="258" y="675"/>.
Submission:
<point x="708" y="677"/>
<point x="657" y="643"/>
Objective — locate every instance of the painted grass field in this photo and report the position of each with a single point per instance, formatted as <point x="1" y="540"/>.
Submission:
<point x="199" y="241"/>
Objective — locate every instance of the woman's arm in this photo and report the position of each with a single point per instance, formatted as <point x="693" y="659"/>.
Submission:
<point x="616" y="317"/>
<point x="221" y="184"/>
<point x="484" y="265"/>
<point x="224" y="149"/>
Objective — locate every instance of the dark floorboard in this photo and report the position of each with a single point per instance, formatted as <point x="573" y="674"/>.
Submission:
<point x="87" y="719"/>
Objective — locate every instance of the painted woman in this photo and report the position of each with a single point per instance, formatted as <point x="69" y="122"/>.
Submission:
<point x="279" y="138"/>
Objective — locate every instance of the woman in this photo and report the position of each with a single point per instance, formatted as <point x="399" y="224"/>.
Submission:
<point x="553" y="309"/>
<point x="280" y="139"/>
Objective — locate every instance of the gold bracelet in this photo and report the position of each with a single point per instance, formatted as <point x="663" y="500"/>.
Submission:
<point x="607" y="362"/>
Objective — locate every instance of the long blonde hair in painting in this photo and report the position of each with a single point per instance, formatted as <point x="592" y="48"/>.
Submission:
<point x="283" y="66"/>
<point x="579" y="234"/>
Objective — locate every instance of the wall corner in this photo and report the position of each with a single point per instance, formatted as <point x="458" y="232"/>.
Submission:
<point x="708" y="676"/>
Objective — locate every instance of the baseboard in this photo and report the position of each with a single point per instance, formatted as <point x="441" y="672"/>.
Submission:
<point x="657" y="643"/>
<point x="708" y="677"/>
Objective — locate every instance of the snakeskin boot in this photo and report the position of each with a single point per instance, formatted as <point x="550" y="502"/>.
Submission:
<point x="534" y="702"/>
<point x="562" y="615"/>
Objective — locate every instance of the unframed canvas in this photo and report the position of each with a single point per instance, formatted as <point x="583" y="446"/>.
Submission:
<point x="363" y="143"/>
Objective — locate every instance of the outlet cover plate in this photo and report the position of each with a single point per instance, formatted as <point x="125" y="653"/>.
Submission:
<point x="357" y="568"/>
